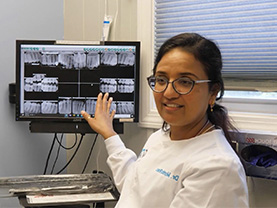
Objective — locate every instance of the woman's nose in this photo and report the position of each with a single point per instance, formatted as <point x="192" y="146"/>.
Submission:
<point x="170" y="92"/>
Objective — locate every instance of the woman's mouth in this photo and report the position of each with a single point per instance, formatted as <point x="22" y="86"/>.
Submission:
<point x="172" y="105"/>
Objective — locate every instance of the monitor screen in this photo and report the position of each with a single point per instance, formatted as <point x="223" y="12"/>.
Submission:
<point x="55" y="81"/>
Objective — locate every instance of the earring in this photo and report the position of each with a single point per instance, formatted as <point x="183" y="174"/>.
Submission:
<point x="212" y="105"/>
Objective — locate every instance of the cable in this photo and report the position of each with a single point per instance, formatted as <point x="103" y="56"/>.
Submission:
<point x="67" y="148"/>
<point x="58" y="152"/>
<point x="49" y="154"/>
<point x="97" y="159"/>
<point x="72" y="157"/>
<point x="89" y="155"/>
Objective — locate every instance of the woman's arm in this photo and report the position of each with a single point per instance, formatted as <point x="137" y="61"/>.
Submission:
<point x="214" y="183"/>
<point x="120" y="158"/>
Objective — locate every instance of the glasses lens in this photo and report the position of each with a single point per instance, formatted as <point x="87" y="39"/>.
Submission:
<point x="158" y="84"/>
<point x="183" y="85"/>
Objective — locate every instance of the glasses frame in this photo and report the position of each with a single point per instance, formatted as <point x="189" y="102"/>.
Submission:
<point x="172" y="82"/>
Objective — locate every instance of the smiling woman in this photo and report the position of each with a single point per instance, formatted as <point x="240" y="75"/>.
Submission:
<point x="189" y="56"/>
<point x="184" y="111"/>
<point x="190" y="155"/>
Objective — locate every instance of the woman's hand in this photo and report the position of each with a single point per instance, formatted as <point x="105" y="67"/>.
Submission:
<point x="102" y="122"/>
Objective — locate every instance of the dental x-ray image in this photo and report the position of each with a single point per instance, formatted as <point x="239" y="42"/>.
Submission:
<point x="65" y="106"/>
<point x="41" y="83"/>
<point x="90" y="105"/>
<point x="109" y="58"/>
<point x="66" y="60"/>
<point x="29" y="87"/>
<point x="93" y="60"/>
<point x="58" y="81"/>
<point x="126" y="58"/>
<point x="125" y="108"/>
<point x="108" y="85"/>
<point x="32" y="57"/>
<point x="117" y="85"/>
<point x="126" y="85"/>
<point x="32" y="107"/>
<point x="78" y="106"/>
<point x="79" y="60"/>
<point x="49" y="107"/>
<point x="49" y="84"/>
<point x="50" y="58"/>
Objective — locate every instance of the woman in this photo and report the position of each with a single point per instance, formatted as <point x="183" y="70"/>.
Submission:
<point x="189" y="162"/>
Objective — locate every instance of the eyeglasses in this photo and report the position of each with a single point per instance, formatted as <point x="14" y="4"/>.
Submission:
<point x="182" y="85"/>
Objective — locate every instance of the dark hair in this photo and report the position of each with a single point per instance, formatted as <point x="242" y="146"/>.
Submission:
<point x="207" y="52"/>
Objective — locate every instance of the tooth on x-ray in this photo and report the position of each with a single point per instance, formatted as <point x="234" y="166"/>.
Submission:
<point x="49" y="107"/>
<point x="65" y="106"/>
<point x="125" y="108"/>
<point x="126" y="85"/>
<point x="50" y="58"/>
<point x="109" y="58"/>
<point x="108" y="85"/>
<point x="78" y="106"/>
<point x="93" y="60"/>
<point x="32" y="107"/>
<point x="126" y="58"/>
<point x="90" y="106"/>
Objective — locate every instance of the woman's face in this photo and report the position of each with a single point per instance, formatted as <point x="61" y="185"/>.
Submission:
<point x="182" y="110"/>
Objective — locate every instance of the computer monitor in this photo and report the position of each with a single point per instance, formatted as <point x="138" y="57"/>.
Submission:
<point x="55" y="80"/>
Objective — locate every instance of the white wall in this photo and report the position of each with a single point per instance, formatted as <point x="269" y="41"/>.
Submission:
<point x="22" y="152"/>
<point x="83" y="19"/>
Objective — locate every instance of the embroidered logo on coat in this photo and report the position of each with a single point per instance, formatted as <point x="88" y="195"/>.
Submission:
<point x="167" y="174"/>
<point x="143" y="152"/>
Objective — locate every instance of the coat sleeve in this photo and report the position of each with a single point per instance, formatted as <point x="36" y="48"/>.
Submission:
<point x="120" y="160"/>
<point x="214" y="183"/>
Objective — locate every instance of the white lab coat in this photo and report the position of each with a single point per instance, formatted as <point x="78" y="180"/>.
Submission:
<point x="203" y="171"/>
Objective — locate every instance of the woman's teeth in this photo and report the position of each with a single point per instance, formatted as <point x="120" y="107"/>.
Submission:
<point x="172" y="105"/>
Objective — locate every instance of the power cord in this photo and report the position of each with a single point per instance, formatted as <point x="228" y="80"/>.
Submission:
<point x="58" y="150"/>
<point x="72" y="157"/>
<point x="67" y="148"/>
<point x="89" y="155"/>
<point x="49" y="154"/>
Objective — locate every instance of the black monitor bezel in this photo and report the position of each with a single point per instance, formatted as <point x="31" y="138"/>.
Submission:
<point x="75" y="120"/>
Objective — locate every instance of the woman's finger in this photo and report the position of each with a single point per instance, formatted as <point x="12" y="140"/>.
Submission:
<point x="85" y="115"/>
<point x="112" y="114"/>
<point x="109" y="104"/>
<point x="104" y="102"/>
<point x="99" y="103"/>
<point x="102" y="121"/>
